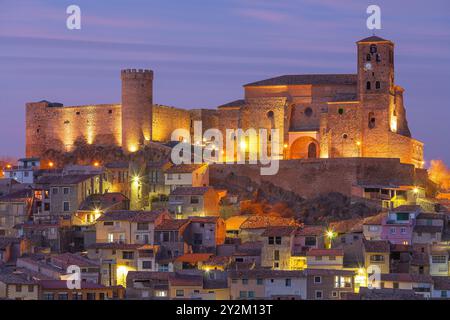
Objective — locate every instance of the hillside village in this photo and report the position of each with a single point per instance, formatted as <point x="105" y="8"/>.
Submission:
<point x="155" y="230"/>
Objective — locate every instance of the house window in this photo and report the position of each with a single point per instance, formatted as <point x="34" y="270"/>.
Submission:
<point x="373" y="49"/>
<point x="276" y="265"/>
<point x="271" y="240"/>
<point x="18" y="288"/>
<point x="439" y="259"/>
<point x="30" y="288"/>
<point x="392" y="230"/>
<point x="308" y="112"/>
<point x="319" y="258"/>
<point x="54" y="190"/>
<point x="49" y="296"/>
<point x="368" y="57"/>
<point x="288" y="282"/>
<point x="108" y="223"/>
<point x="142" y="226"/>
<point x="66" y="190"/>
<point x="66" y="206"/>
<point x="395" y="285"/>
<point x="319" y="294"/>
<point x="377" y="258"/>
<point x="317" y="279"/>
<point x="259" y="281"/>
<point x="242" y="294"/>
<point x="251" y="294"/>
<point x="377" y="85"/>
<point x="443" y="294"/>
<point x="146" y="264"/>
<point x="244" y="281"/>
<point x="402" y="230"/>
<point x="63" y="296"/>
<point x="195" y="200"/>
<point x="277" y="240"/>
<point x="90" y="296"/>
<point x="368" y="85"/>
<point x="310" y="241"/>
<point x="334" y="294"/>
<point x="127" y="255"/>
<point x="332" y="258"/>
<point x="373" y="228"/>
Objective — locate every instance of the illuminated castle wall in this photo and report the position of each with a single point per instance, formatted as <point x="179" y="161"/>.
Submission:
<point x="319" y="116"/>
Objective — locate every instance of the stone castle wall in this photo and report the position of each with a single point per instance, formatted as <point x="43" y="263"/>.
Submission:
<point x="60" y="128"/>
<point x="166" y="120"/>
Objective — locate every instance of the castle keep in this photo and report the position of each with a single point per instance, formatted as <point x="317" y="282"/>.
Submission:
<point x="319" y="116"/>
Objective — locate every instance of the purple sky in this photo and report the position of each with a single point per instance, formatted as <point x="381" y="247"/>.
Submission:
<point x="202" y="51"/>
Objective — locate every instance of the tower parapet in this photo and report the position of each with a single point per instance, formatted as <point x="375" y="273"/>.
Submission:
<point x="137" y="103"/>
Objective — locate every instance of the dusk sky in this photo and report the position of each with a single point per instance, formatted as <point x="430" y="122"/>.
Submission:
<point x="203" y="51"/>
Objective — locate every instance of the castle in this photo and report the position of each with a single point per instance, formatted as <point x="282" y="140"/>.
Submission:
<point x="319" y="116"/>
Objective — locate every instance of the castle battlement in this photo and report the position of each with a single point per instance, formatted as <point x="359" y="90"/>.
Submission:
<point x="137" y="74"/>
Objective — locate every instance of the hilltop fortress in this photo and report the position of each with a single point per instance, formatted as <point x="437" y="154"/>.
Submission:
<point x="319" y="116"/>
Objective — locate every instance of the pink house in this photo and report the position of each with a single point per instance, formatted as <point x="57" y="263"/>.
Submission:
<point x="397" y="226"/>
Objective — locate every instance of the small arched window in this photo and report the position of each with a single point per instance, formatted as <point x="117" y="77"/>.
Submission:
<point x="378" y="57"/>
<point x="270" y="114"/>
<point x="372" y="120"/>
<point x="377" y="85"/>
<point x="368" y="85"/>
<point x="368" y="57"/>
<point x="373" y="48"/>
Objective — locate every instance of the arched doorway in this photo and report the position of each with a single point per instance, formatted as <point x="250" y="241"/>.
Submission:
<point x="304" y="148"/>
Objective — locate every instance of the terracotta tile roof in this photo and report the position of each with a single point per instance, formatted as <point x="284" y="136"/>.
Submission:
<point x="185" y="168"/>
<point x="62" y="284"/>
<point x="190" y="191"/>
<point x="117" y="165"/>
<point x="329" y="272"/>
<point x="384" y="294"/>
<point x="235" y="103"/>
<point x="16" y="278"/>
<point x="180" y="280"/>
<point x="398" y="247"/>
<point x="172" y="224"/>
<point x="260" y="222"/>
<point x="278" y="231"/>
<point x="20" y="195"/>
<point x="431" y="215"/>
<point x="375" y="220"/>
<point x="235" y="222"/>
<point x="428" y="229"/>
<point x="132" y="216"/>
<point x="265" y="274"/>
<point x="194" y="257"/>
<point x="374" y="39"/>
<point x="406" y="277"/>
<point x="65" y="179"/>
<point x="311" y="231"/>
<point x="66" y="259"/>
<point x="148" y="275"/>
<point x="324" y="252"/>
<point x="114" y="246"/>
<point x="102" y="201"/>
<point x="347" y="226"/>
<point x="207" y="219"/>
<point x="305" y="79"/>
<point x="377" y="246"/>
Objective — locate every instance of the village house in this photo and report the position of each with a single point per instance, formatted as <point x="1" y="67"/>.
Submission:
<point x="204" y="234"/>
<point x="267" y="284"/>
<point x="119" y="177"/>
<point x="15" y="209"/>
<point x="329" y="284"/>
<point x="372" y="226"/>
<point x="398" y="225"/>
<point x="58" y="290"/>
<point x="184" y="286"/>
<point x="419" y="283"/>
<point x="18" y="286"/>
<point x="194" y="201"/>
<point x="24" y="171"/>
<point x="377" y="255"/>
<point x="325" y="258"/>
<point x="255" y="225"/>
<point x="277" y="247"/>
<point x="429" y="228"/>
<point x="187" y="175"/>
<point x="441" y="288"/>
<point x="147" y="285"/>
<point x="169" y="235"/>
<point x="61" y="195"/>
<point x="439" y="261"/>
<point x="129" y="227"/>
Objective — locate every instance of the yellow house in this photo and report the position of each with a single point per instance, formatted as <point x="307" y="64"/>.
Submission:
<point x="277" y="247"/>
<point x="376" y="256"/>
<point x="18" y="286"/>
<point x="195" y="287"/>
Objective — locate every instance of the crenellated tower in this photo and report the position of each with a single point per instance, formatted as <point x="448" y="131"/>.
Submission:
<point x="137" y="104"/>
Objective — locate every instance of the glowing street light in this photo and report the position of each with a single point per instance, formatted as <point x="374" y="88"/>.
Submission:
<point x="330" y="234"/>
<point x="51" y="164"/>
